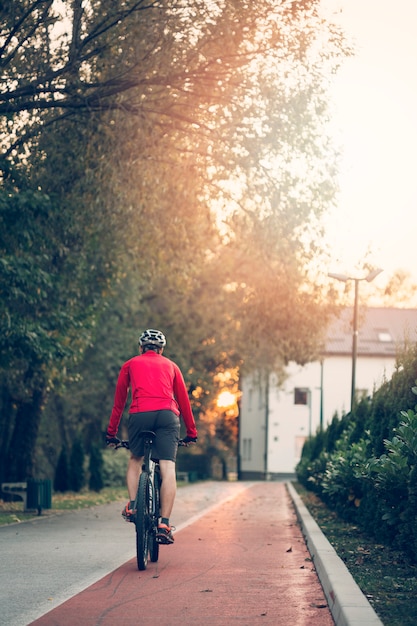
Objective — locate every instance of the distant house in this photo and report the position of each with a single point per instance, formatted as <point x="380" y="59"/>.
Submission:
<point x="276" y="419"/>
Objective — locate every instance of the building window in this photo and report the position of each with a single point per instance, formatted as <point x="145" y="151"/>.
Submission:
<point x="384" y="336"/>
<point x="247" y="450"/>
<point x="301" y="395"/>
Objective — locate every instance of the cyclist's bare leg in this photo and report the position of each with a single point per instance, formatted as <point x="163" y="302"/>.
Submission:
<point x="168" y="487"/>
<point x="134" y="469"/>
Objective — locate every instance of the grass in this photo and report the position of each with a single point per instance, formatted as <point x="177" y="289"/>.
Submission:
<point x="384" y="575"/>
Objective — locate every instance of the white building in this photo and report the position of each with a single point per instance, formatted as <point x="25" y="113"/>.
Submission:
<point x="275" y="420"/>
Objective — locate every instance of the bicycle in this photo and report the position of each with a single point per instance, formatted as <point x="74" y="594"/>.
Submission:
<point x="147" y="503"/>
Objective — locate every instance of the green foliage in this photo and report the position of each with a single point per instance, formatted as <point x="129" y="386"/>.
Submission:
<point x="409" y="532"/>
<point x="342" y="484"/>
<point x="39" y="323"/>
<point x="48" y="308"/>
<point x="333" y="433"/>
<point x="393" y="476"/>
<point x="310" y="469"/>
<point x="360" y="421"/>
<point x="376" y="491"/>
<point x="114" y="467"/>
<point x="391" y="398"/>
<point x="120" y="138"/>
<point x="310" y="472"/>
<point x="316" y="452"/>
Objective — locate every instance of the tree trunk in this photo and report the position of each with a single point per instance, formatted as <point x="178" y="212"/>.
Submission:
<point x="21" y="450"/>
<point x="224" y="468"/>
<point x="7" y="413"/>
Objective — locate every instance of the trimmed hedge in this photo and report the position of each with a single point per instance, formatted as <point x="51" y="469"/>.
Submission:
<point x="364" y="465"/>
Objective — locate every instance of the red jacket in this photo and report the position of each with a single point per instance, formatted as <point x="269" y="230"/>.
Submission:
<point x="156" y="383"/>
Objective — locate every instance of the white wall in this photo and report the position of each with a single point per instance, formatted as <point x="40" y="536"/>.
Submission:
<point x="252" y="425"/>
<point x="289" y="424"/>
<point x="337" y="381"/>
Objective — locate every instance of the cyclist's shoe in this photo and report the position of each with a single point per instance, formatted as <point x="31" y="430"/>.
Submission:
<point x="128" y="513"/>
<point x="164" y="534"/>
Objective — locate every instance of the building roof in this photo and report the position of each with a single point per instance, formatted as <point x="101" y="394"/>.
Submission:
<point x="381" y="331"/>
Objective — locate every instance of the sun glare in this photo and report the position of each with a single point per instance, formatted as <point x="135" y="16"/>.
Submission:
<point x="226" y="399"/>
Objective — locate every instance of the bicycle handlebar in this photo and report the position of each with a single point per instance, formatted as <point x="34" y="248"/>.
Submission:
<point x="124" y="443"/>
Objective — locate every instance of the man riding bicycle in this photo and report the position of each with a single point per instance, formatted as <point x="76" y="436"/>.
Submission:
<point x="158" y="398"/>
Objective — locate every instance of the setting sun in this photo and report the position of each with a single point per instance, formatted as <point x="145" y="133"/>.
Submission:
<point x="226" y="399"/>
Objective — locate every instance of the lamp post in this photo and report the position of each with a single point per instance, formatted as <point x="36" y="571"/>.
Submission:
<point x="344" y="278"/>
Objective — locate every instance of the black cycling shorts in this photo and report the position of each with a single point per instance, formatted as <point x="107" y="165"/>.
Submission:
<point x="166" y="426"/>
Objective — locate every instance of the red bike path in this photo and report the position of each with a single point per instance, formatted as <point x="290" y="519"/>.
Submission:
<point x="245" y="561"/>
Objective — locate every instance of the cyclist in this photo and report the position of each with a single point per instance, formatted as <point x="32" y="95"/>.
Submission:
<point x="158" y="398"/>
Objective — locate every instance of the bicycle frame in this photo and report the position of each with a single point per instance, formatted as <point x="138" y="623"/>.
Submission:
<point x="147" y="502"/>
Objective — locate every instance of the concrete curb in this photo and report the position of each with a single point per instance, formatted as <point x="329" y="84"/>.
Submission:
<point x="348" y="605"/>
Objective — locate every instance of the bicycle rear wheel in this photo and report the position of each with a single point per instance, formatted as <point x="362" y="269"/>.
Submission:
<point x="153" y="544"/>
<point x="142" y="521"/>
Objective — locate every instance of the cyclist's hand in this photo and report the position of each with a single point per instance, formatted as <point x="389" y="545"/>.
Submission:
<point x="112" y="441"/>
<point x="187" y="440"/>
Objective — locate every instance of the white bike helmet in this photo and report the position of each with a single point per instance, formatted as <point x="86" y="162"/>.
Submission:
<point x="152" y="337"/>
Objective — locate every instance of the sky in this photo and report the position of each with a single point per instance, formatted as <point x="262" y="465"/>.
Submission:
<point x="375" y="101"/>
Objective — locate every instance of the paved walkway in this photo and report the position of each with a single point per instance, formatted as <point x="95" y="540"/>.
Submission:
<point x="240" y="555"/>
<point x="244" y="561"/>
<point x="51" y="558"/>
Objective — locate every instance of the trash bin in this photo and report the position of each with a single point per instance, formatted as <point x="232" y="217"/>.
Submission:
<point x="39" y="494"/>
<point x="192" y="477"/>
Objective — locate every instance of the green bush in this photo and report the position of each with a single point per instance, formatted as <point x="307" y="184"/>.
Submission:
<point x="394" y="478"/>
<point x="342" y="483"/>
<point x="360" y="423"/>
<point x="334" y="432"/>
<point x="114" y="467"/>
<point x="315" y="455"/>
<point x="410" y="525"/>
<point x="391" y="398"/>
<point x="364" y="466"/>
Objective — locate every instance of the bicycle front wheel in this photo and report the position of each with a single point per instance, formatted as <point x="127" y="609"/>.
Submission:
<point x="153" y="544"/>
<point x="142" y="521"/>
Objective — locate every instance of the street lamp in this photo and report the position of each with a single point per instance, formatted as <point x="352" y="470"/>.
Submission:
<point x="369" y="278"/>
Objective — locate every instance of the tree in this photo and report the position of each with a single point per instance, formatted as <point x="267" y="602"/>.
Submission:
<point x="259" y="155"/>
<point x="34" y="333"/>
<point x="400" y="289"/>
<point x="129" y="128"/>
<point x="52" y="55"/>
<point x="51" y="279"/>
